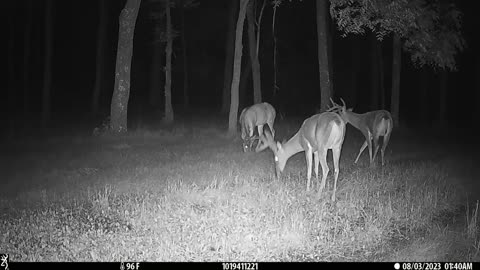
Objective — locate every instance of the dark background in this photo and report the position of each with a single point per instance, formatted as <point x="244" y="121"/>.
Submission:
<point x="76" y="22"/>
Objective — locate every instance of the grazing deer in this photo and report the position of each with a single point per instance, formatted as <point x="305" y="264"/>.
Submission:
<point x="317" y="134"/>
<point x="372" y="125"/>
<point x="256" y="115"/>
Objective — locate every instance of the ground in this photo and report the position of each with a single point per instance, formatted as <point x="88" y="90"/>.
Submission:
<point x="190" y="193"/>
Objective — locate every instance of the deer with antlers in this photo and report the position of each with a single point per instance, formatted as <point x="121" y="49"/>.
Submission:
<point x="256" y="115"/>
<point x="372" y="125"/>
<point x="317" y="134"/>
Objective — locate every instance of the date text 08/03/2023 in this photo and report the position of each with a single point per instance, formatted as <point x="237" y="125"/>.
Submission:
<point x="434" y="266"/>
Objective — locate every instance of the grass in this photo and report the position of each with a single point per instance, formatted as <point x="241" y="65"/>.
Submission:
<point x="190" y="194"/>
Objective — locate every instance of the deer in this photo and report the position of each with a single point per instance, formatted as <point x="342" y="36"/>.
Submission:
<point x="256" y="115"/>
<point x="316" y="136"/>
<point x="372" y="124"/>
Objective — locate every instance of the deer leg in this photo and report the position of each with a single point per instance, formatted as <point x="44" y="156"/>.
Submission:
<point x="250" y="143"/>
<point x="323" y="162"/>
<point x="250" y="131"/>
<point x="316" y="162"/>
<point x="260" y="133"/>
<point x="376" y="146"/>
<point x="336" y="161"/>
<point x="260" y="130"/>
<point x="370" y="148"/>
<point x="258" y="143"/>
<point x="386" y="138"/>
<point x="308" y="156"/>
<point x="361" y="150"/>
<point x="251" y="138"/>
<point x="270" y="125"/>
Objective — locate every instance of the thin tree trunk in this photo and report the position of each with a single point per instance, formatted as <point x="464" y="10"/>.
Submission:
<point x="237" y="63"/>
<point x="47" y="68"/>
<point x="330" y="29"/>
<point x="168" y="119"/>
<point x="257" y="91"/>
<point x="26" y="58"/>
<point x="276" y="4"/>
<point x="156" y="74"/>
<point x="259" y="25"/>
<point x="442" y="106"/>
<point x="186" y="101"/>
<point x="101" y="40"/>
<point x="229" y="50"/>
<point x="396" y="67"/>
<point x="375" y="78"/>
<point x="323" y="58"/>
<point x="121" y="92"/>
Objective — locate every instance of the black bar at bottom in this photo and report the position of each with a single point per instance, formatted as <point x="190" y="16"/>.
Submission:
<point x="236" y="265"/>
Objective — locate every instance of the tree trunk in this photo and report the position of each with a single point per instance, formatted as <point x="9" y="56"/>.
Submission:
<point x="26" y="58"/>
<point x="47" y="67"/>
<point x="323" y="58"/>
<point x="330" y="34"/>
<point x="375" y="78"/>
<point x="237" y="63"/>
<point x="442" y="106"/>
<point x="229" y="47"/>
<point x="274" y="37"/>
<point x="168" y="119"/>
<point x="396" y="66"/>
<point x="186" y="101"/>
<point x="259" y="25"/>
<point x="156" y="74"/>
<point x="257" y="91"/>
<point x="121" y="91"/>
<point x="100" y="60"/>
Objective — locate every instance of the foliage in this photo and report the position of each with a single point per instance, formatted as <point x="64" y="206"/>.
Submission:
<point x="437" y="39"/>
<point x="430" y="29"/>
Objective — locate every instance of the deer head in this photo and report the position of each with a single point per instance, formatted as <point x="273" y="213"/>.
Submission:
<point x="277" y="149"/>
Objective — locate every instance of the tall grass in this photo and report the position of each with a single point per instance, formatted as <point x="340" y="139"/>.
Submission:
<point x="194" y="196"/>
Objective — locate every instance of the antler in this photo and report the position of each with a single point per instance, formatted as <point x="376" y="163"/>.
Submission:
<point x="335" y="107"/>
<point x="267" y="140"/>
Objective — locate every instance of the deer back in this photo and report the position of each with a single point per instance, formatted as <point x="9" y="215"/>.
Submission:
<point x="260" y="114"/>
<point x="257" y="114"/>
<point x="324" y="130"/>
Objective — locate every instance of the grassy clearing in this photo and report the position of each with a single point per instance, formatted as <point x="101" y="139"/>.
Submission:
<point x="191" y="195"/>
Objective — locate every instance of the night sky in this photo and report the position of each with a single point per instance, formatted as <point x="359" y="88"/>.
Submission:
<point x="75" y="24"/>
